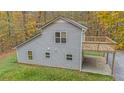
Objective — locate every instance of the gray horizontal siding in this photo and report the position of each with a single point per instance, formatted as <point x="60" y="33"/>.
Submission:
<point x="58" y="52"/>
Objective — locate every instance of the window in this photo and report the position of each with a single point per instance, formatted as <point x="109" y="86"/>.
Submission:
<point x="60" y="37"/>
<point x="63" y="37"/>
<point x="30" y="55"/>
<point x="47" y="55"/>
<point x="57" y="36"/>
<point x="69" y="57"/>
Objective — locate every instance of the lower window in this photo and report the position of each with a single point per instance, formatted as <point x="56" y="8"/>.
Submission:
<point x="47" y="55"/>
<point x="30" y="55"/>
<point x="69" y="56"/>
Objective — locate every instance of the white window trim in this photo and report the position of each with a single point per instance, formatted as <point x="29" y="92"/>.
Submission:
<point x="60" y="38"/>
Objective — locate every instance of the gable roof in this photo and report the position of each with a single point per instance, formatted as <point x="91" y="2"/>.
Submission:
<point x="50" y="22"/>
<point x="67" y="20"/>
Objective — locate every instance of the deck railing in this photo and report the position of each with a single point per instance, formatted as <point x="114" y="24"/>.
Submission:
<point x="99" y="41"/>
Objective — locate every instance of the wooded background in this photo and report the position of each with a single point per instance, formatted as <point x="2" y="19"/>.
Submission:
<point x="16" y="27"/>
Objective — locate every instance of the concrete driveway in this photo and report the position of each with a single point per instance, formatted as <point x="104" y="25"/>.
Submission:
<point x="119" y="65"/>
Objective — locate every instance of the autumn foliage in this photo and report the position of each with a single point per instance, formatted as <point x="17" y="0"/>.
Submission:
<point x="16" y="27"/>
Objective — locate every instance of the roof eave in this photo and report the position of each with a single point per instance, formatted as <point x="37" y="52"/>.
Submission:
<point x="27" y="41"/>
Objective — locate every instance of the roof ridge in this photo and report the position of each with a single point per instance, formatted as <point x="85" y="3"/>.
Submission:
<point x="66" y="19"/>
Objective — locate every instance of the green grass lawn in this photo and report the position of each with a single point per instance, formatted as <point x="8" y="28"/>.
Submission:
<point x="11" y="70"/>
<point x="93" y="53"/>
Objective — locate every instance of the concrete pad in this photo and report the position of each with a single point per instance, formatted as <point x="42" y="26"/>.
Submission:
<point x="96" y="65"/>
<point x="119" y="65"/>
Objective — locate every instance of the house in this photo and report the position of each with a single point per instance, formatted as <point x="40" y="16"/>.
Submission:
<point x="59" y="44"/>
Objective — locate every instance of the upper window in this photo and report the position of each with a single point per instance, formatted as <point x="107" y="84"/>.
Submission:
<point x="60" y="37"/>
<point x="57" y="36"/>
<point x="63" y="37"/>
<point x="30" y="55"/>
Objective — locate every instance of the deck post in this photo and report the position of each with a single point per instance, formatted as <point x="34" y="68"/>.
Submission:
<point x="104" y="54"/>
<point x="113" y="62"/>
<point x="107" y="58"/>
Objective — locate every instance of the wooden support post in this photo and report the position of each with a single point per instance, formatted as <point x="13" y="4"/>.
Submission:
<point x="98" y="47"/>
<point x="104" y="54"/>
<point x="107" y="58"/>
<point x="113" y="62"/>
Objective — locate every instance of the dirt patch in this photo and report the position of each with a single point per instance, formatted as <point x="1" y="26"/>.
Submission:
<point x="6" y="53"/>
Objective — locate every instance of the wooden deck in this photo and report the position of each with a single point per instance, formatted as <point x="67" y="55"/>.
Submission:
<point x="99" y="43"/>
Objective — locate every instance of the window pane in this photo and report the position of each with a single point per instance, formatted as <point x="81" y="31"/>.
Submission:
<point x="63" y="34"/>
<point x="69" y="55"/>
<point x="69" y="58"/>
<point x="47" y="56"/>
<point x="57" y="40"/>
<point x="47" y="53"/>
<point x="57" y="34"/>
<point x="30" y="57"/>
<point x="29" y="52"/>
<point x="63" y="40"/>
